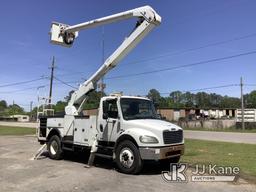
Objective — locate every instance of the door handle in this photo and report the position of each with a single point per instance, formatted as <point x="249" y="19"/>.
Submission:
<point x="101" y="127"/>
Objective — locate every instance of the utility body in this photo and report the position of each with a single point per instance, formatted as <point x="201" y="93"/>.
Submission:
<point x="126" y="129"/>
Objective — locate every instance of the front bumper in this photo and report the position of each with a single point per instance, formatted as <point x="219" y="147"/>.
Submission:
<point x="152" y="153"/>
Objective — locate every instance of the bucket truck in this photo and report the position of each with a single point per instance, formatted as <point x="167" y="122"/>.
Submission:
<point x="126" y="128"/>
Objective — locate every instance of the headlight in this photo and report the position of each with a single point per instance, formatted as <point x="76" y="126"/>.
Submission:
<point x="148" y="139"/>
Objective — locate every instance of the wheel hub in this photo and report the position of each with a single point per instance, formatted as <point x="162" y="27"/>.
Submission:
<point x="54" y="147"/>
<point x="126" y="157"/>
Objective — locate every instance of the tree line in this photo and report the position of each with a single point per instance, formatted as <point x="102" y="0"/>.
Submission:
<point x="8" y="110"/>
<point x="175" y="99"/>
<point x="178" y="99"/>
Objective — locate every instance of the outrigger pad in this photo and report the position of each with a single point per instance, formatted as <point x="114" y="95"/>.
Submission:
<point x="39" y="152"/>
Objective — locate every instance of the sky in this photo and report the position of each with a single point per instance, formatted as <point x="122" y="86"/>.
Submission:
<point x="190" y="32"/>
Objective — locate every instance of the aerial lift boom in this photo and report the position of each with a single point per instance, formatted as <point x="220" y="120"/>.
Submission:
<point x="65" y="35"/>
<point x="126" y="128"/>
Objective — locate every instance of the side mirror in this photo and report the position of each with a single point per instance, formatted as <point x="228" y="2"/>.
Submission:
<point x="105" y="116"/>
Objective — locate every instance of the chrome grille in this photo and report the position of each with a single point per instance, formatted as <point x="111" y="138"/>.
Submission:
<point x="171" y="137"/>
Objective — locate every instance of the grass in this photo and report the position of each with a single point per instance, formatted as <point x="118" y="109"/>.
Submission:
<point x="222" y="154"/>
<point x="5" y="130"/>
<point x="222" y="130"/>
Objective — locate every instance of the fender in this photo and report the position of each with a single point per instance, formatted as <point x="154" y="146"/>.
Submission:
<point x="134" y="135"/>
<point x="53" y="131"/>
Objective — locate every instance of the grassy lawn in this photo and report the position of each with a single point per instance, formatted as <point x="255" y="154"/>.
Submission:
<point x="223" y="130"/>
<point x="221" y="153"/>
<point x="5" y="130"/>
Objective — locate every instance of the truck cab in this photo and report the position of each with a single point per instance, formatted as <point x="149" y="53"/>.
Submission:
<point x="135" y="119"/>
<point x="126" y="129"/>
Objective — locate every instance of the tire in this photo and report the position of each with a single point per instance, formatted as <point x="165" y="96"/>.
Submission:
<point x="54" y="148"/>
<point x="165" y="163"/>
<point x="128" y="158"/>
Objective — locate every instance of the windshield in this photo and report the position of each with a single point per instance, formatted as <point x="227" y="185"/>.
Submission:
<point x="137" y="109"/>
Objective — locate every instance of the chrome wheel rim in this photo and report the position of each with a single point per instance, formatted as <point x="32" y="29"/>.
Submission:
<point x="54" y="147"/>
<point x="126" y="157"/>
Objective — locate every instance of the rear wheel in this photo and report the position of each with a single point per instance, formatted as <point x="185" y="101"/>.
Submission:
<point x="54" y="148"/>
<point x="128" y="158"/>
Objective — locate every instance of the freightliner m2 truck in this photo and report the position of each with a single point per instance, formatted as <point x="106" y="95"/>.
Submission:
<point x="126" y="129"/>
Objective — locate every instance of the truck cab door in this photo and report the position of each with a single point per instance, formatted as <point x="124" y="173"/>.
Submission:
<point x="109" y="123"/>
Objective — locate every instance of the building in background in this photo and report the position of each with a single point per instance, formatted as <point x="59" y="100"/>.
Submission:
<point x="21" y="118"/>
<point x="190" y="114"/>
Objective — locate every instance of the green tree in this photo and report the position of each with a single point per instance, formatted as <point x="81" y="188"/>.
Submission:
<point x="154" y="95"/>
<point x="60" y="106"/>
<point x="3" y="107"/>
<point x="15" y="110"/>
<point x="93" y="100"/>
<point x="176" y="96"/>
<point x="250" y="99"/>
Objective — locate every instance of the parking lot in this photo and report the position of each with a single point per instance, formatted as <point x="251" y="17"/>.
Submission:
<point x="19" y="173"/>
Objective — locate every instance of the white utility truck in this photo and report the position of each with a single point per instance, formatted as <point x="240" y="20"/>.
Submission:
<point x="126" y="129"/>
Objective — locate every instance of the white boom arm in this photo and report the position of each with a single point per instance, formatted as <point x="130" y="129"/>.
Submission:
<point x="64" y="35"/>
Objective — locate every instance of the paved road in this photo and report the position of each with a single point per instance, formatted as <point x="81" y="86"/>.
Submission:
<point x="19" y="124"/>
<point x="222" y="136"/>
<point x="18" y="173"/>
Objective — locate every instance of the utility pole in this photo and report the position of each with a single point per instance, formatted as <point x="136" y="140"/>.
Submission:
<point x="242" y="102"/>
<point x="51" y="81"/>
<point x="102" y="85"/>
<point x="31" y="106"/>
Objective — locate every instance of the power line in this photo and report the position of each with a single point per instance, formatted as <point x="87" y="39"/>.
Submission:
<point x="215" y="87"/>
<point x="167" y="54"/>
<point x="192" y="49"/>
<point x="249" y="84"/>
<point x="70" y="72"/>
<point x="30" y="88"/>
<point x="20" y="90"/>
<point x="22" y="82"/>
<point x="183" y="66"/>
<point x="72" y="82"/>
<point x="206" y="88"/>
<point x="65" y="83"/>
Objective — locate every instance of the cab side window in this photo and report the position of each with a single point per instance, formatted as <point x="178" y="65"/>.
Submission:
<point x="110" y="108"/>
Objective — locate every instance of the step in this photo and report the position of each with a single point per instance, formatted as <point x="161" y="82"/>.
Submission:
<point x="68" y="148"/>
<point x="104" y="156"/>
<point x="105" y="147"/>
<point x="69" y="142"/>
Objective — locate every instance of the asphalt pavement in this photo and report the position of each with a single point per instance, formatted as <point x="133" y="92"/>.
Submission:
<point x="19" y="173"/>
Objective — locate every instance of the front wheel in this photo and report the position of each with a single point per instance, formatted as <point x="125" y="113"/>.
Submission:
<point x="128" y="158"/>
<point x="54" y="148"/>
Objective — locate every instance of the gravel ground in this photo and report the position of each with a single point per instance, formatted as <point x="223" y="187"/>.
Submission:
<point x="18" y="173"/>
<point x="19" y="124"/>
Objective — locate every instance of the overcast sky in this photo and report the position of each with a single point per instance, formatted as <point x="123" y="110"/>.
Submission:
<point x="186" y="36"/>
